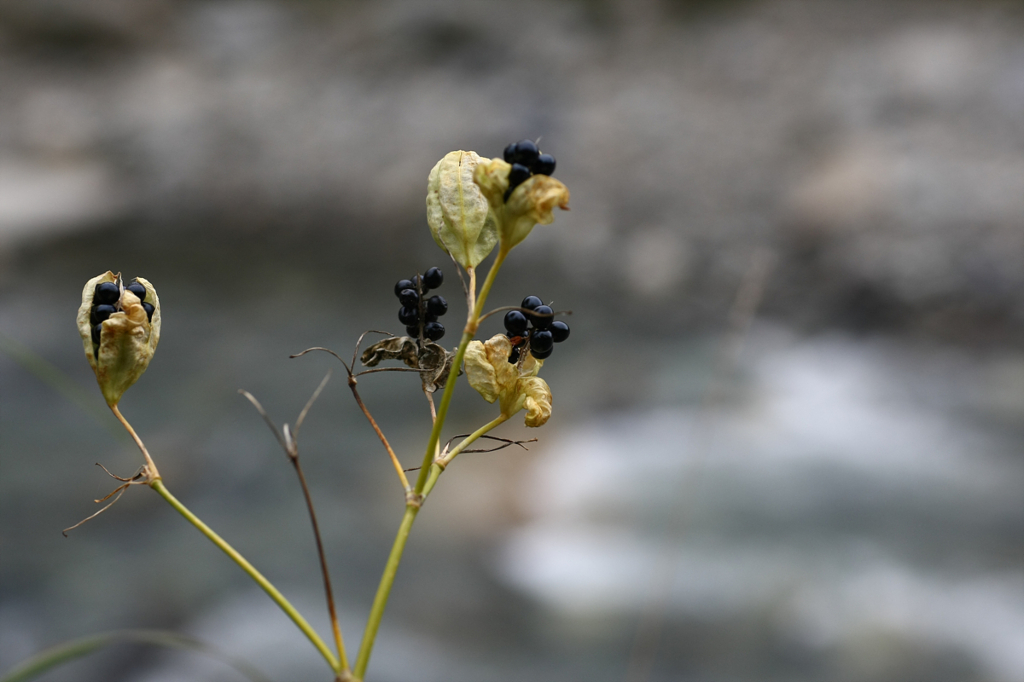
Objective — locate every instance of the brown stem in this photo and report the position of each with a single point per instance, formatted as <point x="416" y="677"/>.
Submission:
<point x="152" y="473"/>
<point x="335" y="625"/>
<point x="380" y="434"/>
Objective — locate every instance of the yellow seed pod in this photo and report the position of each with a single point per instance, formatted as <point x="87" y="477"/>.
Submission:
<point x="458" y="213"/>
<point x="514" y="386"/>
<point x="531" y="203"/>
<point x="120" y="349"/>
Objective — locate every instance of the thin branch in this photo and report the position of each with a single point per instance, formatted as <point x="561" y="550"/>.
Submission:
<point x="359" y="401"/>
<point x="389" y="369"/>
<point x="289" y="442"/>
<point x="359" y="341"/>
<point x="118" y="491"/>
<point x="312" y="399"/>
<point x="266" y="418"/>
<point x="380" y="434"/>
<point x="326" y="350"/>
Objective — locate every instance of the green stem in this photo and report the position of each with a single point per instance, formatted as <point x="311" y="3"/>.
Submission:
<point x="272" y="591"/>
<point x="439" y="466"/>
<point x="446" y="399"/>
<point x="380" y="601"/>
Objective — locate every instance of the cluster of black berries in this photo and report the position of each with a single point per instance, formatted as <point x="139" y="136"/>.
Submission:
<point x="542" y="336"/>
<point x="526" y="160"/>
<point x="105" y="302"/>
<point x="416" y="306"/>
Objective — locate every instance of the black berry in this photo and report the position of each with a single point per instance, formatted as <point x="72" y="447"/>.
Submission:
<point x="526" y="152"/>
<point x="510" y="153"/>
<point x="542" y="316"/>
<point x="518" y="175"/>
<point x="106" y="292"/>
<point x="138" y="290"/>
<point x="404" y="284"/>
<point x="101" y="312"/>
<point x="560" y="331"/>
<point x="409" y="316"/>
<point x="542" y="355"/>
<point x="433" y="330"/>
<point x="513" y="357"/>
<point x="544" y="165"/>
<point x="148" y="307"/>
<point x="409" y="298"/>
<point x="531" y="302"/>
<point x="436" y="305"/>
<point x="96" y="329"/>
<point x="515" y="322"/>
<point x="433" y="278"/>
<point x="413" y="330"/>
<point x="541" y="342"/>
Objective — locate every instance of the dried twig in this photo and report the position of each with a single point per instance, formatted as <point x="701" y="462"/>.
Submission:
<point x="289" y="442"/>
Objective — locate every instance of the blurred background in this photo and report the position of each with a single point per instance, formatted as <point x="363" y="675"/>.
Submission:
<point x="788" y="430"/>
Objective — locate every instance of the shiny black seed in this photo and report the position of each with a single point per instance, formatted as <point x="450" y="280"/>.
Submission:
<point x="510" y="153"/>
<point x="148" y="307"/>
<point x="138" y="290"/>
<point x="518" y="175"/>
<point x="515" y="322"/>
<point x="106" y="292"/>
<point x="526" y="152"/>
<point x="433" y="278"/>
<point x="413" y="331"/>
<point x="433" y="330"/>
<point x="542" y="316"/>
<point x="544" y="165"/>
<point x="542" y="355"/>
<point x="101" y="312"/>
<point x="96" y="334"/>
<point x="409" y="316"/>
<point x="437" y="305"/>
<point x="560" y="331"/>
<point x="541" y="341"/>
<point x="409" y="298"/>
<point x="430" y="318"/>
<point x="513" y="357"/>
<point x="403" y="284"/>
<point x="531" y="302"/>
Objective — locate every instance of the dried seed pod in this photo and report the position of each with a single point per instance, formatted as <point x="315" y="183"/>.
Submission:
<point x="458" y="213"/>
<point x="127" y="338"/>
<point x="528" y="204"/>
<point x="514" y="386"/>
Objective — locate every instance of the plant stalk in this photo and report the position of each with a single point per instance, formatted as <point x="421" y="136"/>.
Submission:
<point x="251" y="571"/>
<point x="380" y="601"/>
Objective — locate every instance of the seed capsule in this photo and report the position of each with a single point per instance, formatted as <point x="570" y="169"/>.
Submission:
<point x="119" y="332"/>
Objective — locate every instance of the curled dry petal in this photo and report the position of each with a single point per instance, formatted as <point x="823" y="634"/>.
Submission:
<point x="127" y="341"/>
<point x="496" y="379"/>
<point x="459" y="215"/>
<point x="433" y="361"/>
